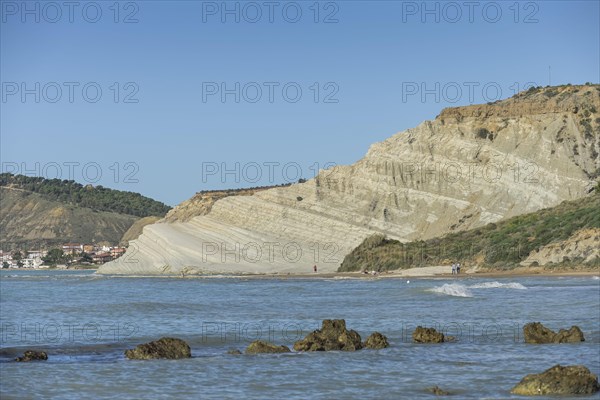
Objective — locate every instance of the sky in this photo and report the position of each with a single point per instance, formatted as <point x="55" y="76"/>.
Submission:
<point x="168" y="98"/>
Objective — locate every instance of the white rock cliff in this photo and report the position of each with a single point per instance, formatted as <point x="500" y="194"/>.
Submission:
<point x="470" y="166"/>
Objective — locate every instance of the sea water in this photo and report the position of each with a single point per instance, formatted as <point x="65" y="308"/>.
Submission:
<point x="85" y="322"/>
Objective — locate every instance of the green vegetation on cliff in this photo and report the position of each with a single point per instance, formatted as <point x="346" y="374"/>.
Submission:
<point x="500" y="245"/>
<point x="96" y="198"/>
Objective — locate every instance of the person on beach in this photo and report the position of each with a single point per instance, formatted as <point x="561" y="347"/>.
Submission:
<point x="315" y="269"/>
<point x="453" y="269"/>
<point x="457" y="268"/>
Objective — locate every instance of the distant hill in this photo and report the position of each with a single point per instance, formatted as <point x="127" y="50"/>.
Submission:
<point x="97" y="198"/>
<point x="37" y="212"/>
<point x="565" y="235"/>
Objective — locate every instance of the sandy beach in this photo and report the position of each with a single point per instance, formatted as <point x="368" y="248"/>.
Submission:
<point x="442" y="271"/>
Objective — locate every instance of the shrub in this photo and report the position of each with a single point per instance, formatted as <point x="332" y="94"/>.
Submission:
<point x="483" y="133"/>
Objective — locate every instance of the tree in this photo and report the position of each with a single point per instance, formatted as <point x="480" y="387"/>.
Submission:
<point x="85" y="257"/>
<point x="17" y="256"/>
<point x="54" y="256"/>
<point x="5" y="264"/>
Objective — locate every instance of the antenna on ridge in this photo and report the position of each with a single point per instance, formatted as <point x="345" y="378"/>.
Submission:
<point x="549" y="76"/>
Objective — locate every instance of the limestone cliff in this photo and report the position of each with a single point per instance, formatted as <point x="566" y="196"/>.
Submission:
<point x="468" y="167"/>
<point x="135" y="230"/>
<point x="201" y="203"/>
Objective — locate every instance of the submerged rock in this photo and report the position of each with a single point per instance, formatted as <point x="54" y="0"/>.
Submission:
<point x="537" y="333"/>
<point x="259" y="347"/>
<point x="234" y="352"/>
<point x="170" y="348"/>
<point x="32" y="355"/>
<point x="438" y="391"/>
<point x="575" y="379"/>
<point x="333" y="335"/>
<point x="376" y="341"/>
<point x="427" y="335"/>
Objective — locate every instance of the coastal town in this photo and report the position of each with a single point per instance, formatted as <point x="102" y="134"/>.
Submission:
<point x="66" y="256"/>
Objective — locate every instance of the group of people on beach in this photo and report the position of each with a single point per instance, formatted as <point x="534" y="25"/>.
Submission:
<point x="455" y="268"/>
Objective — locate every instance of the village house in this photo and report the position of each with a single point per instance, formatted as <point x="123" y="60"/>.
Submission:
<point x="72" y="248"/>
<point x="34" y="258"/>
<point x="101" y="258"/>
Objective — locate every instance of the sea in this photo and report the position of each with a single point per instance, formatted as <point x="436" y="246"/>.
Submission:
<point x="85" y="322"/>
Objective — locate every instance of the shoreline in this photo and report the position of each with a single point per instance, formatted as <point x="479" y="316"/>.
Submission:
<point x="395" y="275"/>
<point x="415" y="273"/>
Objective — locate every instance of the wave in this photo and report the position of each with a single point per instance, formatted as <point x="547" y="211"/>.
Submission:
<point x="452" y="289"/>
<point x="493" y="285"/>
<point x="596" y="278"/>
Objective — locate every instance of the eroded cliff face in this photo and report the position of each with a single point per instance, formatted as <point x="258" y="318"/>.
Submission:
<point x="201" y="203"/>
<point x="582" y="247"/>
<point x="468" y="167"/>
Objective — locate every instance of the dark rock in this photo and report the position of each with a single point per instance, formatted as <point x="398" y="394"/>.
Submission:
<point x="536" y="333"/>
<point x="333" y="335"/>
<point x="376" y="341"/>
<point x="234" y="352"/>
<point x="258" y="347"/>
<point x="573" y="335"/>
<point x="575" y="379"/>
<point x="32" y="355"/>
<point x="438" y="391"/>
<point x="171" y="348"/>
<point x="427" y="335"/>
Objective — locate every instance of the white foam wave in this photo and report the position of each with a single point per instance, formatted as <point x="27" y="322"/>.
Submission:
<point x="596" y="278"/>
<point x="493" y="285"/>
<point x="452" y="289"/>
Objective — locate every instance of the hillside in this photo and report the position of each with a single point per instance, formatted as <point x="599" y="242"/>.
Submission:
<point x="37" y="212"/>
<point x="467" y="168"/>
<point x="94" y="197"/>
<point x="29" y="221"/>
<point x="565" y="235"/>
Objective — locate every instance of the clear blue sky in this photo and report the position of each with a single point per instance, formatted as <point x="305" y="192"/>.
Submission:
<point x="370" y="62"/>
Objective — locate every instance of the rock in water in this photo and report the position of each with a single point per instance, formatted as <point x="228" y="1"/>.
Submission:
<point x="333" y="335"/>
<point x="536" y="333"/>
<point x="438" y="391"/>
<point x="575" y="379"/>
<point x="376" y="341"/>
<point x="258" y="347"/>
<point x="170" y="348"/>
<point x="573" y="335"/>
<point x="427" y="335"/>
<point x="32" y="355"/>
<point x="234" y="352"/>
